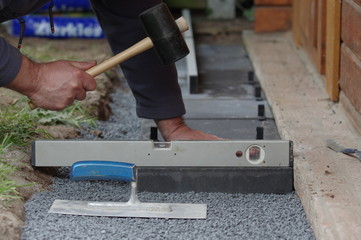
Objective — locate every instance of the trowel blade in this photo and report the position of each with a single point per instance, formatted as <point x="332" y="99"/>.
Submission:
<point x="123" y="209"/>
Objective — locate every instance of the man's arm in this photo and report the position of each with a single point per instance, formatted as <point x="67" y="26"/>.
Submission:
<point x="10" y="62"/>
<point x="53" y="85"/>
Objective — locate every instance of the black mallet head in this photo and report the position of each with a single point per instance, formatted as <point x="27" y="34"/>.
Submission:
<point x="165" y="34"/>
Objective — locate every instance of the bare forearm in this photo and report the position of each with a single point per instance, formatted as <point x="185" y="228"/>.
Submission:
<point x="25" y="81"/>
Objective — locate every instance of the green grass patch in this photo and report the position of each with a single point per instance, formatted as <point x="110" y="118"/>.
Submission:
<point x="5" y="144"/>
<point x="7" y="186"/>
<point x="74" y="115"/>
<point x="18" y="128"/>
<point x="19" y="125"/>
<point x="47" y="52"/>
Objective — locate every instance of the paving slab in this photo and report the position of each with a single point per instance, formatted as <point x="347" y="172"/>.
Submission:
<point x="328" y="183"/>
<point x="222" y="57"/>
<point x="237" y="129"/>
<point x="231" y="83"/>
<point x="226" y="108"/>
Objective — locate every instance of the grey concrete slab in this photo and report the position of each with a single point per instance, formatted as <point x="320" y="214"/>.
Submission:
<point x="239" y="129"/>
<point x="232" y="83"/>
<point x="225" y="76"/>
<point x="218" y="108"/>
<point x="235" y="128"/>
<point x="222" y="57"/>
<point x="223" y="72"/>
<point x="212" y="50"/>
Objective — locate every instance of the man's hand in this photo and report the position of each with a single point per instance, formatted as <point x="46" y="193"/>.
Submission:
<point x="53" y="85"/>
<point x="176" y="129"/>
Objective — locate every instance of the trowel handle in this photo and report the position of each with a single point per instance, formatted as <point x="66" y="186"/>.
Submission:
<point x="103" y="170"/>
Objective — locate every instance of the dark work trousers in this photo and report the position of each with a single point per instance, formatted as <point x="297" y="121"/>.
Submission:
<point x="154" y="85"/>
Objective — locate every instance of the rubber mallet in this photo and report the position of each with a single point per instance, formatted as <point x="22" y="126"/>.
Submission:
<point x="164" y="34"/>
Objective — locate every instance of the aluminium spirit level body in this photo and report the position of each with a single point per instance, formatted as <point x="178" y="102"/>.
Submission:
<point x="245" y="166"/>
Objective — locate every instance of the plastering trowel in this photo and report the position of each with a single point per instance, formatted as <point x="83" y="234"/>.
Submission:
<point x="108" y="170"/>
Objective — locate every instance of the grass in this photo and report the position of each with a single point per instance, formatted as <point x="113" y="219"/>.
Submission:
<point x="74" y="115"/>
<point x="47" y="52"/>
<point x="5" y="144"/>
<point x="7" y="186"/>
<point x="19" y="127"/>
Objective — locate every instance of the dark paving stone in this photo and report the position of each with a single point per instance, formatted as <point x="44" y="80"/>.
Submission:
<point x="221" y="108"/>
<point x="211" y="50"/>
<point x="222" y="57"/>
<point x="237" y="129"/>
<point x="231" y="83"/>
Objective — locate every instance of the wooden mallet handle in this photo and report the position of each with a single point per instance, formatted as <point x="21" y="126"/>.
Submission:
<point x="136" y="49"/>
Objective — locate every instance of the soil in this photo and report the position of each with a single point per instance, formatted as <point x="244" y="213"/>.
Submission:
<point x="12" y="211"/>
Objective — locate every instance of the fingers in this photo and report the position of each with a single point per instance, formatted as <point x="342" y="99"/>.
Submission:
<point x="89" y="84"/>
<point x="86" y="81"/>
<point x="80" y="95"/>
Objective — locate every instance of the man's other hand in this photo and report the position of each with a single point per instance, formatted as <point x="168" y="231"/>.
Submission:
<point x="175" y="129"/>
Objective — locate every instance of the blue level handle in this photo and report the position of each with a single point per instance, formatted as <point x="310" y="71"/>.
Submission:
<point x="103" y="170"/>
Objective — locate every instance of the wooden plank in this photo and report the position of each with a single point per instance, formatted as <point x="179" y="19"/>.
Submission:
<point x="333" y="42"/>
<point x="305" y="23"/>
<point x="272" y="19"/>
<point x="296" y="28"/>
<point x="321" y="35"/>
<point x="311" y="16"/>
<point x="350" y="72"/>
<point x="350" y="26"/>
<point x="272" y="2"/>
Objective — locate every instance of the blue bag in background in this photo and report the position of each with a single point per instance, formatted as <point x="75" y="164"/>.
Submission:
<point x="72" y="19"/>
<point x="65" y="27"/>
